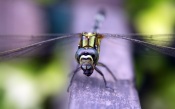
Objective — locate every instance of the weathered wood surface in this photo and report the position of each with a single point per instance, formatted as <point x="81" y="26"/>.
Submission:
<point x="90" y="92"/>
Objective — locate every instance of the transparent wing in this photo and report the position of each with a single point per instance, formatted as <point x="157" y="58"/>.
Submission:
<point x="162" y="43"/>
<point x="23" y="44"/>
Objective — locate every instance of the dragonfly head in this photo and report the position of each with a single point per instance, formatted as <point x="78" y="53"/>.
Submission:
<point x="87" y="58"/>
<point x="87" y="69"/>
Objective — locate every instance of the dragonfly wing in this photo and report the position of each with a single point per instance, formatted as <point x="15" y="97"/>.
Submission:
<point x="43" y="40"/>
<point x="161" y="43"/>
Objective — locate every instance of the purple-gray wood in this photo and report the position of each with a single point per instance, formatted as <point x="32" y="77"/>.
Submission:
<point x="90" y="92"/>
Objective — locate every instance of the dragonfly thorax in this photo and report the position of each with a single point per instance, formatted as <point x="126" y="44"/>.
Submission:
<point x="90" y="40"/>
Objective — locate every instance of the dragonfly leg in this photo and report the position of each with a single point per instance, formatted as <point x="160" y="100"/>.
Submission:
<point x="74" y="72"/>
<point x="103" y="65"/>
<point x="70" y="74"/>
<point x="102" y="76"/>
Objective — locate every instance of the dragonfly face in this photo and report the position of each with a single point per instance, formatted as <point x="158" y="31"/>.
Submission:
<point x="87" y="54"/>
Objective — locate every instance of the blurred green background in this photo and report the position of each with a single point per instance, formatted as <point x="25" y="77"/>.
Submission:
<point x="30" y="83"/>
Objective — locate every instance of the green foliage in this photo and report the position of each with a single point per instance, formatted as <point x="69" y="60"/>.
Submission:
<point x="46" y="2"/>
<point x="154" y="73"/>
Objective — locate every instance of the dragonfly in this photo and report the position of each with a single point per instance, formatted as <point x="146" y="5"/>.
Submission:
<point x="87" y="54"/>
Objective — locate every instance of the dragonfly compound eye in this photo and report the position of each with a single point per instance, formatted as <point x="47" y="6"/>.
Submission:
<point x="85" y="52"/>
<point x="93" y="52"/>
